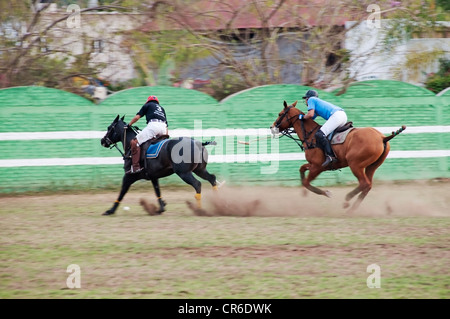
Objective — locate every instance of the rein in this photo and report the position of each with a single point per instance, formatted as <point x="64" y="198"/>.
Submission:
<point x="288" y="132"/>
<point x="124" y="141"/>
<point x="115" y="145"/>
<point x="306" y="135"/>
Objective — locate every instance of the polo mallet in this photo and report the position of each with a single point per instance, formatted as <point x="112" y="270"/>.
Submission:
<point x="256" y="139"/>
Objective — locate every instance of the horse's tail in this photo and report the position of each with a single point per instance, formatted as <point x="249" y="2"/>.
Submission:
<point x="394" y="134"/>
<point x="209" y="143"/>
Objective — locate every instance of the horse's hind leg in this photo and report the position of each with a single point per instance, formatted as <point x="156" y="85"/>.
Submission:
<point x="359" y="200"/>
<point x="370" y="170"/>
<point x="190" y="179"/>
<point x="365" y="177"/>
<point x="364" y="186"/>
<point x="201" y="172"/>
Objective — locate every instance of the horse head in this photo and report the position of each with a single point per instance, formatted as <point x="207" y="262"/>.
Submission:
<point x="286" y="118"/>
<point x="114" y="132"/>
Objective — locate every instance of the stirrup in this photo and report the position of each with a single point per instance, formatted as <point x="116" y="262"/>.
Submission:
<point x="132" y="171"/>
<point x="328" y="160"/>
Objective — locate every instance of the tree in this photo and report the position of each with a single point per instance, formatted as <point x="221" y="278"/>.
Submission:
<point x="235" y="44"/>
<point x="257" y="42"/>
<point x="34" y="50"/>
<point x="441" y="80"/>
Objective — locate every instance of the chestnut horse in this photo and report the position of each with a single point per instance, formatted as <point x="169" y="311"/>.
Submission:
<point x="364" y="150"/>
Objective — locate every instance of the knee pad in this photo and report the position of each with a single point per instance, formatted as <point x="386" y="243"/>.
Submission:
<point x="134" y="141"/>
<point x="319" y="135"/>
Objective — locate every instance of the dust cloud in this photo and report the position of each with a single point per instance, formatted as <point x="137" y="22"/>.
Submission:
<point x="412" y="198"/>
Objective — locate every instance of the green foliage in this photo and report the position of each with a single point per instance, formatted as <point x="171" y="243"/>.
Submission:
<point x="444" y="4"/>
<point x="126" y="84"/>
<point x="36" y="57"/>
<point x="415" y="63"/>
<point x="158" y="56"/>
<point x="223" y="85"/>
<point x="440" y="80"/>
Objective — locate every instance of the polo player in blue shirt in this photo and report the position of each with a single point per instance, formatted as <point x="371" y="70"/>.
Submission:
<point x="334" y="115"/>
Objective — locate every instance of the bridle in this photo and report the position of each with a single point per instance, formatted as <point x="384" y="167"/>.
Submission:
<point x="114" y="144"/>
<point x="282" y="116"/>
<point x="289" y="131"/>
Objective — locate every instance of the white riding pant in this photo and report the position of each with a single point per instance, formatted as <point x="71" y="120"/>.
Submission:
<point x="152" y="130"/>
<point x="338" y="119"/>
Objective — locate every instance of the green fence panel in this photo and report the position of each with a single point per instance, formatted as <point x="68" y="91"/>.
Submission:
<point x="39" y="96"/>
<point x="383" y="89"/>
<point x="183" y="107"/>
<point x="57" y="115"/>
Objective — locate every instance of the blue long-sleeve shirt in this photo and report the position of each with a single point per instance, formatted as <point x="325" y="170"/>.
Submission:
<point x="322" y="108"/>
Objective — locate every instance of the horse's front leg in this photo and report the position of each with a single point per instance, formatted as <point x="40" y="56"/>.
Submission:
<point x="127" y="181"/>
<point x="303" y="170"/>
<point x="314" y="171"/>
<point x="151" y="208"/>
<point x="162" y="203"/>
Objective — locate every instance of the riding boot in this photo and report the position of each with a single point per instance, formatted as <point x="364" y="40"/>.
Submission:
<point x="325" y="145"/>
<point x="135" y="157"/>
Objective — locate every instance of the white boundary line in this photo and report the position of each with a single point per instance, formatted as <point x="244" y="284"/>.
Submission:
<point x="230" y="158"/>
<point x="25" y="136"/>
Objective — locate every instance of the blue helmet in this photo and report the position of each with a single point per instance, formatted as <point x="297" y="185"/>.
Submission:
<point x="310" y="93"/>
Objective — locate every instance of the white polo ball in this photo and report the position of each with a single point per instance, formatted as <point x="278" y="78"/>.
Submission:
<point x="126" y="208"/>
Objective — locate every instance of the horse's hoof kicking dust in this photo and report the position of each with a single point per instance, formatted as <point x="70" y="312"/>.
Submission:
<point x="197" y="211"/>
<point x="149" y="208"/>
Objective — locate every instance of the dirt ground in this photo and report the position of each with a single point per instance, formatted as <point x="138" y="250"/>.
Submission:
<point x="412" y="198"/>
<point x="306" y="246"/>
<point x="388" y="199"/>
<point x="407" y="198"/>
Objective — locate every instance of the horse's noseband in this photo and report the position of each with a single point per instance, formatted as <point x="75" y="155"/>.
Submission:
<point x="106" y="140"/>
<point x="281" y="118"/>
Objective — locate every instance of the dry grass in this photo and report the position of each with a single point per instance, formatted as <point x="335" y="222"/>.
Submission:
<point x="256" y="242"/>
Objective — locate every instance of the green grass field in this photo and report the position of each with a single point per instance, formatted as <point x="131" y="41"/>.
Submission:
<point x="292" y="246"/>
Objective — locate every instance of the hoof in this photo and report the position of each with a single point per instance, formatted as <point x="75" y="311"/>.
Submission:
<point x="108" y="212"/>
<point x="196" y="210"/>
<point x="346" y="205"/>
<point x="162" y="207"/>
<point x="328" y="194"/>
<point x="220" y="184"/>
<point x="149" y="208"/>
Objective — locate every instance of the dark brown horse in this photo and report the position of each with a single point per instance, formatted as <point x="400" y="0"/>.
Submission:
<point x="364" y="150"/>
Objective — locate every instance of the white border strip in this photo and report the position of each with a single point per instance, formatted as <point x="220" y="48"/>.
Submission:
<point x="26" y="136"/>
<point x="231" y="158"/>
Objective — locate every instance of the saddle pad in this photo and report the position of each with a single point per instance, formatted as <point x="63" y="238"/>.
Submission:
<point x="153" y="149"/>
<point x="340" y="137"/>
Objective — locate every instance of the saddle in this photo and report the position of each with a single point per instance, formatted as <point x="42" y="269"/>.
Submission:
<point x="147" y="144"/>
<point x="343" y="128"/>
<point x="144" y="147"/>
<point x="339" y="135"/>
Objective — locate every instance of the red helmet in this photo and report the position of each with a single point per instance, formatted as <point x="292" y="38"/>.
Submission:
<point x="152" y="98"/>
